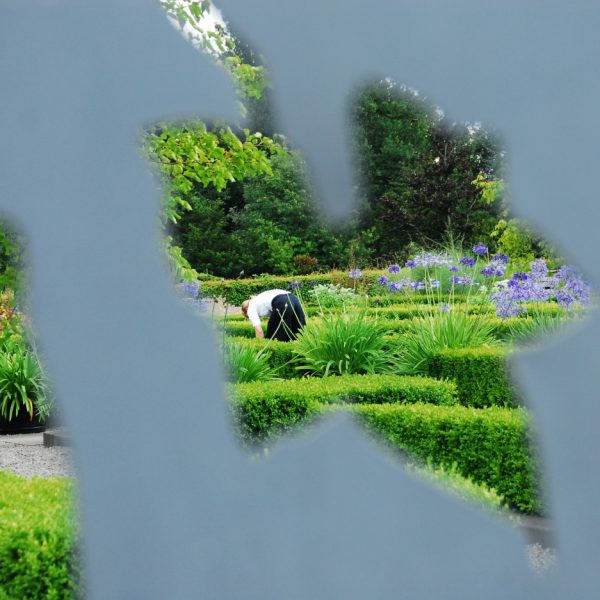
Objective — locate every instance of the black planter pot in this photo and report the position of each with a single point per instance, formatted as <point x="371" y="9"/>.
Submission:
<point x="21" y="424"/>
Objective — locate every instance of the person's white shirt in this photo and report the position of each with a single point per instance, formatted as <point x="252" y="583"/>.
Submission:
<point x="260" y="305"/>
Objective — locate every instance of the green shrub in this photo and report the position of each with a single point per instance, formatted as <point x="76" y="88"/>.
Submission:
<point x="426" y="337"/>
<point x="342" y="344"/>
<point x="259" y="419"/>
<point x="246" y="363"/>
<point x="492" y="446"/>
<point x="479" y="373"/>
<point x="38" y="533"/>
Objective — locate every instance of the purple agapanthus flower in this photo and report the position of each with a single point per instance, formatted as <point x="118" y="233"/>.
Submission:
<point x="383" y="280"/>
<point x="395" y="286"/>
<point x="539" y="269"/>
<point x="444" y="307"/>
<point x="480" y="248"/>
<point x="417" y="285"/>
<point x="573" y="286"/>
<point x="429" y="259"/>
<point x="521" y="276"/>
<point x="469" y="261"/>
<point x="500" y="258"/>
<point x="492" y="270"/>
<point x="313" y="282"/>
<point x="411" y="264"/>
<point x="190" y="290"/>
<point x="453" y="268"/>
<point x="394" y="269"/>
<point x="509" y="309"/>
<point x="434" y="283"/>
<point x="465" y="280"/>
<point x="355" y="273"/>
<point x="295" y="284"/>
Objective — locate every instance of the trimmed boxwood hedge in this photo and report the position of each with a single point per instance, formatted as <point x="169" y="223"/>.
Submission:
<point x="263" y="410"/>
<point x="493" y="446"/>
<point x="38" y="555"/>
<point x="480" y="374"/>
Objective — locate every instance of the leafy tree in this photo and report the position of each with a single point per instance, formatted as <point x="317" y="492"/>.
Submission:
<point x="417" y="170"/>
<point x="191" y="153"/>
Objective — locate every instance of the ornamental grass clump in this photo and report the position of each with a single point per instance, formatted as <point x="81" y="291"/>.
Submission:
<point x="447" y="330"/>
<point x="245" y="364"/>
<point x="344" y="344"/>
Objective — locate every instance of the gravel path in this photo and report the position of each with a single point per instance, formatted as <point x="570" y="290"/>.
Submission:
<point x="26" y="455"/>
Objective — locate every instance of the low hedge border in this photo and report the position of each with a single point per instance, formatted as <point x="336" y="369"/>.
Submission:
<point x="480" y="375"/>
<point x="264" y="410"/>
<point x="493" y="446"/>
<point x="38" y="555"/>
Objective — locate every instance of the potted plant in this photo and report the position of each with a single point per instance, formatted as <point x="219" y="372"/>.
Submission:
<point x="24" y="402"/>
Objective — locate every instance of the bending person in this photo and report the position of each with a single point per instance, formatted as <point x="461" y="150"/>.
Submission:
<point x="284" y="310"/>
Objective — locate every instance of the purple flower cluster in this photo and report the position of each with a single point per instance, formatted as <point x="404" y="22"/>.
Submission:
<point x="500" y="258"/>
<point x="571" y="287"/>
<point x="189" y="290"/>
<point x="295" y="284"/>
<point x="355" y="273"/>
<point x="469" y="261"/>
<point x="539" y="269"/>
<point x="444" y="307"/>
<point x="464" y="280"/>
<point x="453" y="268"/>
<point x="395" y="268"/>
<point x="429" y="259"/>
<point x="383" y="280"/>
<point x="492" y="270"/>
<point x="411" y="264"/>
<point x="480" y="248"/>
<point x="566" y="287"/>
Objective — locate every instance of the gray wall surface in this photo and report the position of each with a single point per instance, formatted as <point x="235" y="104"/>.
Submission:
<point x="172" y="508"/>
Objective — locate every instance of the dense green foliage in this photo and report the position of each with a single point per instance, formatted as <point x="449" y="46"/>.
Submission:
<point x="38" y="537"/>
<point x="493" y="446"/>
<point x="481" y="375"/>
<point x="259" y="225"/>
